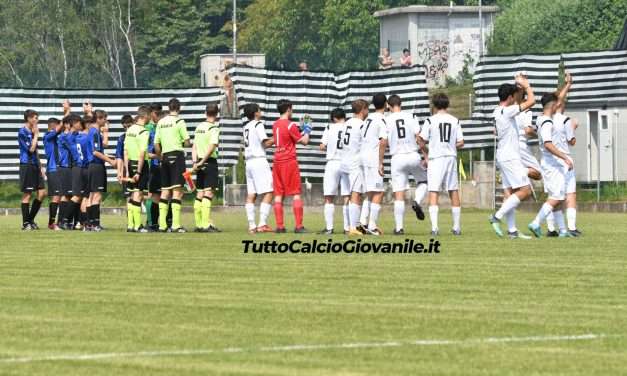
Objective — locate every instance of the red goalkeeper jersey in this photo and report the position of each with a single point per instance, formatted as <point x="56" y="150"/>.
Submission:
<point x="286" y="134"/>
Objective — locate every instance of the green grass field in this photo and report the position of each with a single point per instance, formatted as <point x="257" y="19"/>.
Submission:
<point x="114" y="303"/>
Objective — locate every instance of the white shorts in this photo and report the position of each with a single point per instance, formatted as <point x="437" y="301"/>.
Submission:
<point x="513" y="174"/>
<point x="528" y="159"/>
<point x="258" y="176"/>
<point x="355" y="178"/>
<point x="404" y="165"/>
<point x="373" y="181"/>
<point x="554" y="177"/>
<point x="334" y="177"/>
<point x="442" y="174"/>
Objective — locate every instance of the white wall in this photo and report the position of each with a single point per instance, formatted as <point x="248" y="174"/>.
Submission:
<point x="212" y="66"/>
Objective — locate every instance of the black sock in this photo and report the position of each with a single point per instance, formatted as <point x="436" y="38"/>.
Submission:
<point x="63" y="212"/>
<point x="154" y="214"/>
<point x="34" y="210"/>
<point x="83" y="218"/>
<point x="52" y="216"/>
<point x="96" y="209"/>
<point x="168" y="218"/>
<point x="25" y="213"/>
<point x="90" y="215"/>
<point x="76" y="213"/>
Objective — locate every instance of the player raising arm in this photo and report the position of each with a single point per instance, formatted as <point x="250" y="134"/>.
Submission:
<point x="444" y="135"/>
<point x="170" y="140"/>
<point x="514" y="175"/>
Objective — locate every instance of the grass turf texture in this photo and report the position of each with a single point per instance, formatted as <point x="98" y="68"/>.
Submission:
<point x="85" y="293"/>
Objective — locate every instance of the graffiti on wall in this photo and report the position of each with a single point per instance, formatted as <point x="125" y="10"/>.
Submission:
<point x="434" y="55"/>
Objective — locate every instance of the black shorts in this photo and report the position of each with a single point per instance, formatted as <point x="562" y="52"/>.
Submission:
<point x="154" y="184"/>
<point x="142" y="184"/>
<point x="65" y="179"/>
<point x="80" y="181"/>
<point x="207" y="176"/>
<point x="30" y="178"/>
<point x="54" y="183"/>
<point x="172" y="170"/>
<point x="97" y="177"/>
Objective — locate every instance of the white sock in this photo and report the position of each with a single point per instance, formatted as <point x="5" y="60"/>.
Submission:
<point x="365" y="212"/>
<point x="457" y="216"/>
<point x="542" y="213"/>
<point x="328" y="215"/>
<point x="571" y="216"/>
<point x="510" y="217"/>
<point x="399" y="213"/>
<point x="264" y="213"/>
<point x="510" y="204"/>
<point x="374" y="215"/>
<point x="250" y="214"/>
<point x="550" y="222"/>
<point x="347" y="223"/>
<point x="421" y="192"/>
<point x="433" y="214"/>
<point x="559" y="220"/>
<point x="353" y="210"/>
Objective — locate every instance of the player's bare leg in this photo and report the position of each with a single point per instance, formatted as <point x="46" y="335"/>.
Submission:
<point x="399" y="212"/>
<point x="534" y="174"/>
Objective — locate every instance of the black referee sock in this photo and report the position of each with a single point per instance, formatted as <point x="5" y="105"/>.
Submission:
<point x="154" y="214"/>
<point x="52" y="216"/>
<point x="168" y="218"/>
<point x="83" y="218"/>
<point x="96" y="214"/>
<point x="76" y="213"/>
<point x="90" y="215"/>
<point x="25" y="213"/>
<point x="34" y="210"/>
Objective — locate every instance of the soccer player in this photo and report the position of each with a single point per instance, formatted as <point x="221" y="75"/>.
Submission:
<point x="555" y="165"/>
<point x="374" y="136"/>
<point x="285" y="171"/>
<point x="136" y="164"/>
<point x="78" y="145"/>
<point x="514" y="175"/>
<point x="98" y="136"/>
<point x="351" y="163"/>
<point x="444" y="135"/>
<point x="31" y="175"/>
<point x="403" y="131"/>
<point x="51" y="148"/>
<point x="258" y="173"/>
<point x="127" y="121"/>
<point x="154" y="182"/>
<point x="566" y="126"/>
<point x="170" y="140"/>
<point x="65" y="174"/>
<point x="205" y="157"/>
<point x="154" y="185"/>
<point x="333" y="143"/>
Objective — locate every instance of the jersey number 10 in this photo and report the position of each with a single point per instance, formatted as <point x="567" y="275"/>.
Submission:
<point x="445" y="132"/>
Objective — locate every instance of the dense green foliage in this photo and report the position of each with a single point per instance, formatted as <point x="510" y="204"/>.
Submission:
<point x="540" y="26"/>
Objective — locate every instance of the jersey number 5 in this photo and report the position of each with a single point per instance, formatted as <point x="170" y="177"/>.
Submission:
<point x="400" y="128"/>
<point x="445" y="132"/>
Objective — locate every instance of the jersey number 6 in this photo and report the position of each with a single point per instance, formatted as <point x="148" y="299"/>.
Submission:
<point x="400" y="128"/>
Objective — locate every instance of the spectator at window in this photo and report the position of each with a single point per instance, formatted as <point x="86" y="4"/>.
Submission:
<point x="303" y="67"/>
<point x="406" y="59"/>
<point x="385" y="60"/>
<point x="228" y="103"/>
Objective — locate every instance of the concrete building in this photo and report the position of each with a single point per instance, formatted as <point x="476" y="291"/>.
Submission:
<point x="438" y="37"/>
<point x="212" y="66"/>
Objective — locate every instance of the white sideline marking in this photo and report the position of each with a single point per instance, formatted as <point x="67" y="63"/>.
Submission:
<point x="357" y="345"/>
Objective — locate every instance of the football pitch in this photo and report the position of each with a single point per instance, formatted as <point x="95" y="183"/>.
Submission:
<point x="113" y="303"/>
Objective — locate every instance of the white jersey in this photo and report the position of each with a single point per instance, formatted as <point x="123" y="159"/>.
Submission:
<point x="524" y="120"/>
<point x="254" y="135"/>
<point x="333" y="138"/>
<point x="442" y="132"/>
<point x="564" y="125"/>
<point x="402" y="129"/>
<point x="352" y="143"/>
<point x="548" y="132"/>
<point x="372" y="131"/>
<point x="507" y="133"/>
